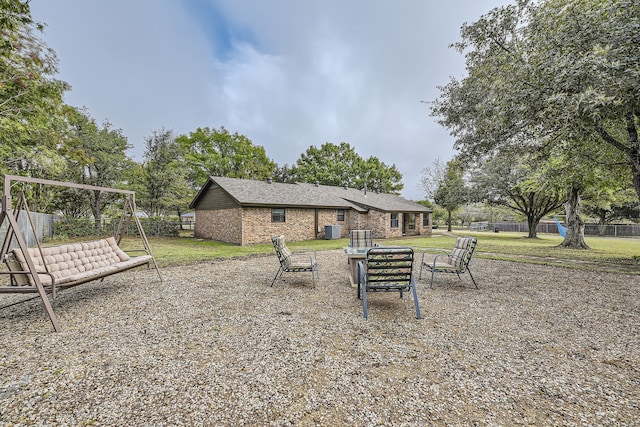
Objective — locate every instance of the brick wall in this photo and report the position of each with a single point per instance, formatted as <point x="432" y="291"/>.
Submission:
<point x="250" y="226"/>
<point x="224" y="225"/>
<point x="330" y="217"/>
<point x="423" y="230"/>
<point x="378" y="223"/>
<point x="258" y="228"/>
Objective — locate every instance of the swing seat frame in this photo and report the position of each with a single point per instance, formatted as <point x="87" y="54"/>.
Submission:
<point x="44" y="270"/>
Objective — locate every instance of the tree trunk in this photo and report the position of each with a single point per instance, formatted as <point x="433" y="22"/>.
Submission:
<point x="449" y="220"/>
<point x="180" y="217"/>
<point x="96" y="209"/>
<point x="634" y="152"/>
<point x="575" y="225"/>
<point x="533" y="222"/>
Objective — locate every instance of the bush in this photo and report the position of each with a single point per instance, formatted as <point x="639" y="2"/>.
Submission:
<point x="74" y="227"/>
<point x="158" y="227"/>
<point x="77" y="227"/>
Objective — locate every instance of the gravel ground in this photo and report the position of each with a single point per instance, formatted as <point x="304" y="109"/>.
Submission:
<point x="215" y="345"/>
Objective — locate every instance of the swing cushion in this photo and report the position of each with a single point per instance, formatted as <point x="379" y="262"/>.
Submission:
<point x="79" y="262"/>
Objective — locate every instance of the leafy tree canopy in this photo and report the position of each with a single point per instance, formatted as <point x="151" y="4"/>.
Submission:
<point x="97" y="156"/>
<point x="30" y="99"/>
<point x="340" y="165"/>
<point x="164" y="186"/>
<point x="545" y="72"/>
<point x="217" y="152"/>
<point x="518" y="183"/>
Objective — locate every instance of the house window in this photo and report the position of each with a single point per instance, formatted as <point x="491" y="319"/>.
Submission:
<point x="340" y="214"/>
<point x="425" y="219"/>
<point x="394" y="220"/>
<point x="277" y="215"/>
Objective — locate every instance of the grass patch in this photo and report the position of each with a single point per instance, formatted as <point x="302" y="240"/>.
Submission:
<point x="503" y="246"/>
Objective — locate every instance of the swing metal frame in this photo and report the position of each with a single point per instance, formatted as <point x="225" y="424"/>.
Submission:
<point x="11" y="216"/>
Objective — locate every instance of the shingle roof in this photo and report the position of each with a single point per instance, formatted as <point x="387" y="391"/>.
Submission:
<point x="370" y="199"/>
<point x="261" y="193"/>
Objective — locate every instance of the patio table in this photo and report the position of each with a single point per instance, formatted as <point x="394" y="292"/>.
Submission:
<point x="354" y="255"/>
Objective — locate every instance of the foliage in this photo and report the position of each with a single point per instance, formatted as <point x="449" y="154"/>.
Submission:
<point x="444" y="184"/>
<point x="68" y="227"/>
<point x="97" y="156"/>
<point x="156" y="227"/>
<point x="438" y="215"/>
<point x="163" y="183"/>
<point x="73" y="203"/>
<point x="284" y="174"/>
<point x="452" y="191"/>
<point x="471" y="212"/>
<point x="557" y="70"/>
<point x="30" y="99"/>
<point x="432" y="176"/>
<point x="610" y="204"/>
<point x="340" y="165"/>
<point x="216" y="152"/>
<point x="546" y="73"/>
<point x="518" y="183"/>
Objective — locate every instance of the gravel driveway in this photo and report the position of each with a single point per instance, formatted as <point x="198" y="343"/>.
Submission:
<point x="216" y="345"/>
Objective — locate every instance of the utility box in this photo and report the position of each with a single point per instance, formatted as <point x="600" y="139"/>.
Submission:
<point x="331" y="232"/>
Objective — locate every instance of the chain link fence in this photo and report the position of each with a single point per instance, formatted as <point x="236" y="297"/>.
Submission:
<point x="53" y="227"/>
<point x="607" y="230"/>
<point x="74" y="227"/>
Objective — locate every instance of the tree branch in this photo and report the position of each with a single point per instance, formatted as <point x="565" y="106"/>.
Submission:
<point x="611" y="140"/>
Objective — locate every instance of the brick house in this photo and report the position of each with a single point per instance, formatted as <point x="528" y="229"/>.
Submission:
<point x="247" y="212"/>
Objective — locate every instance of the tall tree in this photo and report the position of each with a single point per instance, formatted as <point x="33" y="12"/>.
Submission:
<point x="163" y="175"/>
<point x="377" y="176"/>
<point x="611" y="205"/>
<point x="30" y="98"/>
<point x="99" y="156"/>
<point x="555" y="71"/>
<point x="284" y="173"/>
<point x="340" y="165"/>
<point x="515" y="182"/>
<point x="452" y="191"/>
<point x="220" y="153"/>
<point x="432" y="177"/>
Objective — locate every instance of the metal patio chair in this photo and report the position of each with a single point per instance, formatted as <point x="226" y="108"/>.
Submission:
<point x="387" y="270"/>
<point x="454" y="261"/>
<point x="290" y="262"/>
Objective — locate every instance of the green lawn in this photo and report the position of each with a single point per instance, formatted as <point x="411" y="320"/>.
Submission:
<point x="503" y="245"/>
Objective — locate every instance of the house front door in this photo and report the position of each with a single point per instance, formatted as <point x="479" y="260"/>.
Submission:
<point x="408" y="223"/>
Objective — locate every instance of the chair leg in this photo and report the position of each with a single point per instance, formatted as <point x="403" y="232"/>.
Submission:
<point x="433" y="272"/>
<point x="472" y="279"/>
<point x="278" y="273"/>
<point x="360" y="278"/>
<point x="415" y="300"/>
<point x="420" y="275"/>
<point x="364" y="301"/>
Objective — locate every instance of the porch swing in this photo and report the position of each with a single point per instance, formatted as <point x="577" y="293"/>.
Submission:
<point x="44" y="270"/>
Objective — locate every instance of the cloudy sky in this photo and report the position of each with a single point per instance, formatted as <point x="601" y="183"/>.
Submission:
<point x="288" y="74"/>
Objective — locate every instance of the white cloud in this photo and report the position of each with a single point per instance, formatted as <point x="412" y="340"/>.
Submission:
<point x="297" y="74"/>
